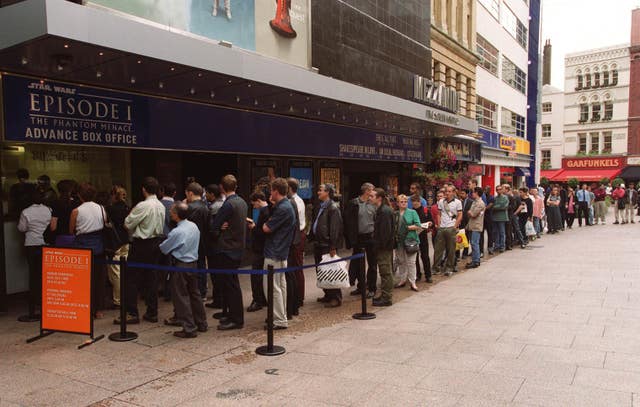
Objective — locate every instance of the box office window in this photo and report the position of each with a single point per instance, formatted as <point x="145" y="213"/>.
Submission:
<point x="102" y="167"/>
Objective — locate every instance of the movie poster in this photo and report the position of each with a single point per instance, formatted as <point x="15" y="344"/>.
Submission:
<point x="276" y="28"/>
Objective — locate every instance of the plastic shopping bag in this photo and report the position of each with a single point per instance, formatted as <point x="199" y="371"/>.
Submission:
<point x="461" y="240"/>
<point x="333" y="275"/>
<point x="531" y="231"/>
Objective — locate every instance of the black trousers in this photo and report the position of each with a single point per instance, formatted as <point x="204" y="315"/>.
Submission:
<point x="318" y="252"/>
<point x="563" y="216"/>
<point x="570" y="218"/>
<point x="424" y="257"/>
<point x="488" y="227"/>
<point x="583" y="212"/>
<point x="216" y="296"/>
<point x="142" y="251"/>
<point x="508" y="233"/>
<point x="34" y="260"/>
<point x="257" y="288"/>
<point x="229" y="287"/>
<point x="364" y="245"/>
<point x="293" y="302"/>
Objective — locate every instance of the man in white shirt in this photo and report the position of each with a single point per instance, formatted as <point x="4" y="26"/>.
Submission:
<point x="450" y="210"/>
<point x="145" y="224"/>
<point x="296" y="255"/>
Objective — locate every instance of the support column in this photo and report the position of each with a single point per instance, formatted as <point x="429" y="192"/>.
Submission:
<point x="439" y="73"/>
<point x="471" y="98"/>
<point x="453" y="12"/>
<point x="461" y="87"/>
<point x="443" y="15"/>
<point x="463" y="29"/>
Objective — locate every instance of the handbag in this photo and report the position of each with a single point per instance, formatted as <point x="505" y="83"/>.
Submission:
<point x="411" y="246"/>
<point x="333" y="275"/>
<point x="110" y="237"/>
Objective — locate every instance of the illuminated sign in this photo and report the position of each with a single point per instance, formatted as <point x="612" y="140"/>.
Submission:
<point x="589" y="163"/>
<point x="426" y="91"/>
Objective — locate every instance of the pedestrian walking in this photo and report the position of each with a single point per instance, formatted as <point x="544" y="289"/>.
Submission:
<point x="183" y="244"/>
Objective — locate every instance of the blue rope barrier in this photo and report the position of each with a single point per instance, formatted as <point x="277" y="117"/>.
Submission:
<point x="227" y="271"/>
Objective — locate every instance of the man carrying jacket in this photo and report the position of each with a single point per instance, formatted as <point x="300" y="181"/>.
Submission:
<point x="358" y="230"/>
<point x="326" y="231"/>
<point x="383" y="244"/>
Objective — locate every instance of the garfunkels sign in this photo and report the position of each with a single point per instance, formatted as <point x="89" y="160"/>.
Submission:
<point x="53" y="112"/>
<point x="591" y="163"/>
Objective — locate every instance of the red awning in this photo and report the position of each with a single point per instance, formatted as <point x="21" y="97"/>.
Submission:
<point x="549" y="174"/>
<point x="593" y="175"/>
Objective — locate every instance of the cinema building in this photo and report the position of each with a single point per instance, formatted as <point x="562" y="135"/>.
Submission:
<point x="109" y="91"/>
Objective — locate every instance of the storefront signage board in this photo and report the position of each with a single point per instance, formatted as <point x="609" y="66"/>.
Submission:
<point x="304" y="175"/>
<point x="53" y="112"/>
<point x="593" y="163"/>
<point x="66" y="290"/>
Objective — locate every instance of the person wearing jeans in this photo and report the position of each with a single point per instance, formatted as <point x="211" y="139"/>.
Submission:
<point x="476" y="224"/>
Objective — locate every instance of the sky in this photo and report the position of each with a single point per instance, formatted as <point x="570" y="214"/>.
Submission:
<point x="578" y="25"/>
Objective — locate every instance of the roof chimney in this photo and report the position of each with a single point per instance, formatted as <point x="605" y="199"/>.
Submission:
<point x="635" y="27"/>
<point x="546" y="62"/>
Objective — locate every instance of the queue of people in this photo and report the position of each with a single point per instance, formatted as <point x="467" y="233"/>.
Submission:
<point x="210" y="229"/>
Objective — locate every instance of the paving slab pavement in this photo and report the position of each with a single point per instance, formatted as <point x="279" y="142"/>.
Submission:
<point x="555" y="324"/>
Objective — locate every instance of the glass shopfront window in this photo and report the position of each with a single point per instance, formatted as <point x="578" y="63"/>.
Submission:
<point x="103" y="167"/>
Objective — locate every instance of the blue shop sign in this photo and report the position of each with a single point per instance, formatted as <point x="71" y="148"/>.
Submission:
<point x="305" y="178"/>
<point x="53" y="112"/>
<point x="491" y="138"/>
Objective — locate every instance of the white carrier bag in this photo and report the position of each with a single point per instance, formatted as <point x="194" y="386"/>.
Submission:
<point x="333" y="275"/>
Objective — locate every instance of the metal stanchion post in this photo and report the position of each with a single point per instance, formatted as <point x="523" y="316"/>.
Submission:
<point x="123" y="335"/>
<point x="270" y="349"/>
<point x="363" y="292"/>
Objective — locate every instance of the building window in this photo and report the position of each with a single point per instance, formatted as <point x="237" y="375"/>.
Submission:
<point x="584" y="112"/>
<point x="608" y="110"/>
<point x="546" y="130"/>
<point x="492" y="6"/>
<point x="582" y="143"/>
<point x="486" y="113"/>
<point x="579" y="85"/>
<point x="596" y="79"/>
<point x="595" y="112"/>
<point x="545" y="161"/>
<point x="546" y="107"/>
<point x="614" y="77"/>
<point x="512" y="123"/>
<point x="514" y="76"/>
<point x="595" y="143"/>
<point x="605" y="78"/>
<point x="587" y="84"/>
<point x="488" y="55"/>
<point x="606" y="144"/>
<point x="521" y="34"/>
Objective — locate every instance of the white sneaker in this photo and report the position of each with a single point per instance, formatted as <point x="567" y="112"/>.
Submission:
<point x="228" y="14"/>
<point x="215" y="11"/>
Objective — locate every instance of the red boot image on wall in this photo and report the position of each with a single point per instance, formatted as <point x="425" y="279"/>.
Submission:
<point x="282" y="21"/>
